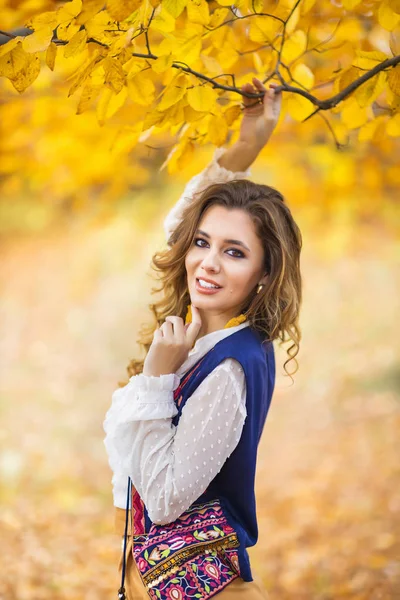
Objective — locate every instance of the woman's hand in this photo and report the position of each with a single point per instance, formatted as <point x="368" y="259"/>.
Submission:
<point x="171" y="344"/>
<point x="259" y="118"/>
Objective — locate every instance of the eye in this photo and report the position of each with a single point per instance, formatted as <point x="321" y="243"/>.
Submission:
<point x="234" y="250"/>
<point x="241" y="255"/>
<point x="199" y="240"/>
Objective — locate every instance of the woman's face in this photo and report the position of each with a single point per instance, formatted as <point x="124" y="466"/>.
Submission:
<point x="227" y="251"/>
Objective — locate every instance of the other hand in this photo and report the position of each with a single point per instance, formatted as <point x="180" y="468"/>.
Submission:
<point x="171" y="345"/>
<point x="259" y="118"/>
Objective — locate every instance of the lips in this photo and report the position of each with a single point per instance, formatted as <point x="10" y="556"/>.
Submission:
<point x="208" y="281"/>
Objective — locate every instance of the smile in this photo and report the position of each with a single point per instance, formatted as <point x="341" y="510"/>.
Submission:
<point x="205" y="287"/>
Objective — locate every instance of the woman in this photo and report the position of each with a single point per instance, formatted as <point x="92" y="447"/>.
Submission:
<point x="182" y="435"/>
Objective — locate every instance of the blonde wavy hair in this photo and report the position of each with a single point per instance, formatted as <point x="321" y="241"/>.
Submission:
<point x="274" y="311"/>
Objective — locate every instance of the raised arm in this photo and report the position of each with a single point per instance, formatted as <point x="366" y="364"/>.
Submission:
<point x="258" y="122"/>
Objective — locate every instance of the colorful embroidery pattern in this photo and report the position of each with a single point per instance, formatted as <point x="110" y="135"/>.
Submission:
<point x="137" y="513"/>
<point x="192" y="557"/>
<point x="178" y="392"/>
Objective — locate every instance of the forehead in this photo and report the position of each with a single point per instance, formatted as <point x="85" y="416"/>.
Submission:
<point x="223" y="222"/>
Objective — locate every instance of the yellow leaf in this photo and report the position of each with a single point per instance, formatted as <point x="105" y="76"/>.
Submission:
<point x="341" y="132"/>
<point x="217" y="130"/>
<point x="162" y="64"/>
<point x="185" y="45"/>
<point x="163" y="21"/>
<point x="66" y="31"/>
<point x="126" y="139"/>
<point x="292" y="21"/>
<point x="109" y="103"/>
<point x="394" y="80"/>
<point x="306" y="6"/>
<point x="102" y="27"/>
<point x="263" y="29"/>
<point x="211" y="64"/>
<point x="141" y="89"/>
<point x="198" y="11"/>
<point x="255" y="6"/>
<point x="175" y="114"/>
<point x="352" y="115"/>
<point x="368" y="60"/>
<point x="225" y="2"/>
<point x="89" y="93"/>
<point x="76" y="44"/>
<point x="393" y="100"/>
<point x="174" y="7"/>
<point x="20" y="67"/>
<point x="38" y="40"/>
<point x="303" y="75"/>
<point x="89" y="9"/>
<point x="367" y="131"/>
<point x="83" y="73"/>
<point x="172" y="94"/>
<point x="45" y="19"/>
<point x="69" y="11"/>
<point x="202" y="97"/>
<point x="345" y="78"/>
<point x="218" y="17"/>
<point x="387" y="18"/>
<point x="393" y="126"/>
<point x="232" y="113"/>
<point x="192" y="115"/>
<point x="115" y="76"/>
<point x="122" y="9"/>
<point x="51" y="56"/>
<point x="294" y="46"/>
<point x="369" y="91"/>
<point x="180" y="156"/>
<point x="228" y="56"/>
<point x="299" y="107"/>
<point x="5" y="48"/>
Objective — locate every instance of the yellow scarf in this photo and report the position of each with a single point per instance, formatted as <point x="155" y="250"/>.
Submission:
<point x="231" y="323"/>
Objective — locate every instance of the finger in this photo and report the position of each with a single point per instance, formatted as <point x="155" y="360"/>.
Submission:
<point x="178" y="326"/>
<point x="157" y="335"/>
<point x="248" y="102"/>
<point x="194" y="327"/>
<point x="166" y="329"/>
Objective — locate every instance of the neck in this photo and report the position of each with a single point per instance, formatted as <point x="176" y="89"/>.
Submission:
<point x="211" y="322"/>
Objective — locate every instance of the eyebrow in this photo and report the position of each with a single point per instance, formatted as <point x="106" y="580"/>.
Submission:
<point x="236" y="242"/>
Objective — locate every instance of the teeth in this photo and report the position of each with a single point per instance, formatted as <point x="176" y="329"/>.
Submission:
<point x="206" y="284"/>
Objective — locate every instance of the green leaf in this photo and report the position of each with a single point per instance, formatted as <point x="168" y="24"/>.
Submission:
<point x="146" y="554"/>
<point x="207" y="587"/>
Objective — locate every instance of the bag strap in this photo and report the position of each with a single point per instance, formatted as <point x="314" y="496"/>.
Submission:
<point x="121" y="591"/>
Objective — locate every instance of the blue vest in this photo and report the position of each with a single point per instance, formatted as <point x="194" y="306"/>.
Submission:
<point x="234" y="484"/>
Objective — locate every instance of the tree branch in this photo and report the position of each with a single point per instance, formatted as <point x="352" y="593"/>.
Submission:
<point x="284" y="87"/>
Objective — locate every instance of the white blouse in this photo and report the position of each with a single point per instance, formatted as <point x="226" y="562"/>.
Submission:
<point x="171" y="466"/>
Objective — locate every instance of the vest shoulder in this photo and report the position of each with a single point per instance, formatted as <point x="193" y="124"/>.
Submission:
<point x="244" y="344"/>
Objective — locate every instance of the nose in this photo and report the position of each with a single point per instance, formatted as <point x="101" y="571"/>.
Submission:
<point x="210" y="263"/>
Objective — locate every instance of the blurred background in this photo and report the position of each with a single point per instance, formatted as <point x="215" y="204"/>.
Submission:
<point x="78" y="226"/>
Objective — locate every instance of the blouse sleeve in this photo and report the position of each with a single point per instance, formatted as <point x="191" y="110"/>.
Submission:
<point x="171" y="466"/>
<point x="213" y="173"/>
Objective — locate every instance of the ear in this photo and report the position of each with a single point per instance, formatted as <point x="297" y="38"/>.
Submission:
<point x="264" y="279"/>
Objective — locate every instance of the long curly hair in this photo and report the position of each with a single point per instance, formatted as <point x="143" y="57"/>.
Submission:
<point x="274" y="311"/>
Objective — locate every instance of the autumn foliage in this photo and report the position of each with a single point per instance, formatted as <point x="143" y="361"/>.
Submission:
<point x="179" y="64"/>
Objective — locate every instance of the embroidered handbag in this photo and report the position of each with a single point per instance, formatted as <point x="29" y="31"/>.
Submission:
<point x="195" y="556"/>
